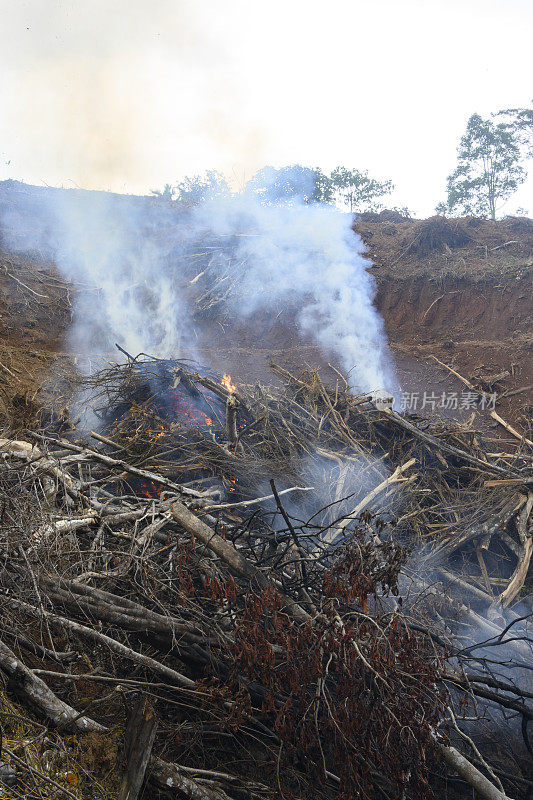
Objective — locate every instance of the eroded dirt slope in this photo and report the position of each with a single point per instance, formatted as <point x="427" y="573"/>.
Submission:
<point x="35" y="311"/>
<point x="471" y="306"/>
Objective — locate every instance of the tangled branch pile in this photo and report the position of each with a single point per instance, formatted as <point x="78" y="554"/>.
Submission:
<point x="224" y="589"/>
<point x="438" y="233"/>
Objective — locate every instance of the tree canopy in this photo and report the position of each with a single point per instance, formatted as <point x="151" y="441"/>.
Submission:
<point x="357" y="190"/>
<point x="488" y="169"/>
<point x="291" y="183"/>
<point x="519" y="121"/>
<point x="199" y="188"/>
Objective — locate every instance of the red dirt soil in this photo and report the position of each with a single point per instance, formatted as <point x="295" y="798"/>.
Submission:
<point x="470" y="306"/>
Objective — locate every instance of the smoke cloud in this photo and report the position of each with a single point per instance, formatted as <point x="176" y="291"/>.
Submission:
<point x="307" y="255"/>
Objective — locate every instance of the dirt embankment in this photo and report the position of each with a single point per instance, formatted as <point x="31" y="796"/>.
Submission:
<point x="459" y="290"/>
<point x="35" y="311"/>
<point x="422" y="309"/>
<point x="479" y="326"/>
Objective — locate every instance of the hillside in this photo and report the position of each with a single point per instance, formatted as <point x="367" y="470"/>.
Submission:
<point x="470" y="305"/>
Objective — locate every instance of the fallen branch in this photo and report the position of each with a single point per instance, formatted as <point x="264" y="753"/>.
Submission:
<point x="519" y="575"/>
<point x="227" y="552"/>
<point x="457" y="375"/>
<point x="37" y="693"/>
<point x="510" y="428"/>
<point x="122" y="650"/>
<point x="397" y="477"/>
<point x="444" y="446"/>
<point x="470" y="773"/>
<point x="116" y="463"/>
<point x="258" y="500"/>
<point x="168" y="776"/>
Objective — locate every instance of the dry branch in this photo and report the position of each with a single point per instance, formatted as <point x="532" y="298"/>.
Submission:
<point x="39" y="696"/>
<point x="470" y="773"/>
<point x="238" y="564"/>
<point x="468" y="458"/>
<point x="510" y="428"/>
<point x="394" y="480"/>
<point x="519" y="575"/>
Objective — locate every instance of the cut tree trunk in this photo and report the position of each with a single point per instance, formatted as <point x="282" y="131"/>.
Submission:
<point x="140" y="736"/>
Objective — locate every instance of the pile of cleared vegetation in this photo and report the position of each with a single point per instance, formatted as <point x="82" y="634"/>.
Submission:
<point x="437" y="233"/>
<point x="221" y="588"/>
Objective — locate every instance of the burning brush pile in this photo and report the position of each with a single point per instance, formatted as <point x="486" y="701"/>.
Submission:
<point x="262" y="593"/>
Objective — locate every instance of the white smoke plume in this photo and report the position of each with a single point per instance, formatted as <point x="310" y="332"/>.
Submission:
<point x="115" y="251"/>
<point x="136" y="251"/>
<point x="309" y="256"/>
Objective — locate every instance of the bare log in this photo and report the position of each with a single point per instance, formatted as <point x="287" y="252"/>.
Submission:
<point x="37" y="693"/>
<point x="139" y="740"/>
<point x="470" y="773"/>
<point x="237" y="563"/>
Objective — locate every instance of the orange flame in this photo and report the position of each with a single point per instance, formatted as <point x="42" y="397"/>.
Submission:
<point x="227" y="384"/>
<point x="149" y="488"/>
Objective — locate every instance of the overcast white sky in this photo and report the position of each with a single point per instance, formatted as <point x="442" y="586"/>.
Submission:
<point x="130" y="94"/>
